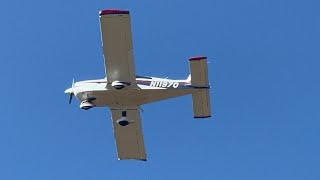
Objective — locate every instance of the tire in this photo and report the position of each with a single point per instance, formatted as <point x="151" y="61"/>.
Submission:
<point x="119" y="86"/>
<point x="123" y="122"/>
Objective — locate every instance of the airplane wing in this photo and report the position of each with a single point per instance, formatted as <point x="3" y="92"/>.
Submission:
<point x="116" y="38"/>
<point x="129" y="138"/>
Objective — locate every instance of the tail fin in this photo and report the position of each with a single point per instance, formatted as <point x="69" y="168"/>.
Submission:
<point x="188" y="79"/>
<point x="199" y="80"/>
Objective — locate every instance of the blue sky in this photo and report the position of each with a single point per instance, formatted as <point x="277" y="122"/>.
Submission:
<point x="264" y="71"/>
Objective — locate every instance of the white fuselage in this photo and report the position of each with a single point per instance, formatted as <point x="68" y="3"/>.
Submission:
<point x="148" y="89"/>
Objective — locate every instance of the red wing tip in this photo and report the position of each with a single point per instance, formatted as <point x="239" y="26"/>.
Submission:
<point x="197" y="58"/>
<point x="112" y="11"/>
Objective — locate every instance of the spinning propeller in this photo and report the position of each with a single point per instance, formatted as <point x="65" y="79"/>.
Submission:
<point x="70" y="91"/>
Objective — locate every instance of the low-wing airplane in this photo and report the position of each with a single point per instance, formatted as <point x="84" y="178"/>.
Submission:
<point x="124" y="92"/>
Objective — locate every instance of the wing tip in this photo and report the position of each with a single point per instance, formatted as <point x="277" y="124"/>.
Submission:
<point x="112" y="11"/>
<point x="199" y="117"/>
<point x="197" y="58"/>
<point x="139" y="159"/>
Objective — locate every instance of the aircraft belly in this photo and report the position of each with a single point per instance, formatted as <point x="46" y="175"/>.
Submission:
<point x="163" y="94"/>
<point x="117" y="98"/>
<point x="134" y="97"/>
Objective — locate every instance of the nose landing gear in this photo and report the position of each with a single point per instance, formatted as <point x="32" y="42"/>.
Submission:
<point x="87" y="104"/>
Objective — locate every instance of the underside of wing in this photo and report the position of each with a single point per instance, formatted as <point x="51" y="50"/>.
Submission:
<point x="128" y="134"/>
<point x="117" y="46"/>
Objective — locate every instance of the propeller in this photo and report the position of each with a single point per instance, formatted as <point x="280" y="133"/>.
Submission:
<point x="70" y="98"/>
<point x="70" y="91"/>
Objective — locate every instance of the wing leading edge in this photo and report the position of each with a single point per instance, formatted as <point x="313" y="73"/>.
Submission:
<point x="129" y="138"/>
<point x="116" y="38"/>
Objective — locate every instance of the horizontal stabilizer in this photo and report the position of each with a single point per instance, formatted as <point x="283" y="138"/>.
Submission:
<point x="199" y="80"/>
<point x="199" y="72"/>
<point x="201" y="103"/>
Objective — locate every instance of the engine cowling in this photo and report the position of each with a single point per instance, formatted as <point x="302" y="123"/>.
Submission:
<point x="118" y="84"/>
<point x="85" y="105"/>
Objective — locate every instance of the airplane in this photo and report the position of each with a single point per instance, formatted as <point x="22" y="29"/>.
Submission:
<point x="124" y="92"/>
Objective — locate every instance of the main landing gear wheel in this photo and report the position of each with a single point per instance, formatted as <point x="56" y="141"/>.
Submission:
<point x="123" y="122"/>
<point x="119" y="85"/>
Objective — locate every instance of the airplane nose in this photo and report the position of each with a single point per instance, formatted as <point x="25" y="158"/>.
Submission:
<point x="68" y="91"/>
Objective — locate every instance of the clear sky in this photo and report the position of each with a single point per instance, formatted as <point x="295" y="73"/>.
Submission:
<point x="264" y="71"/>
